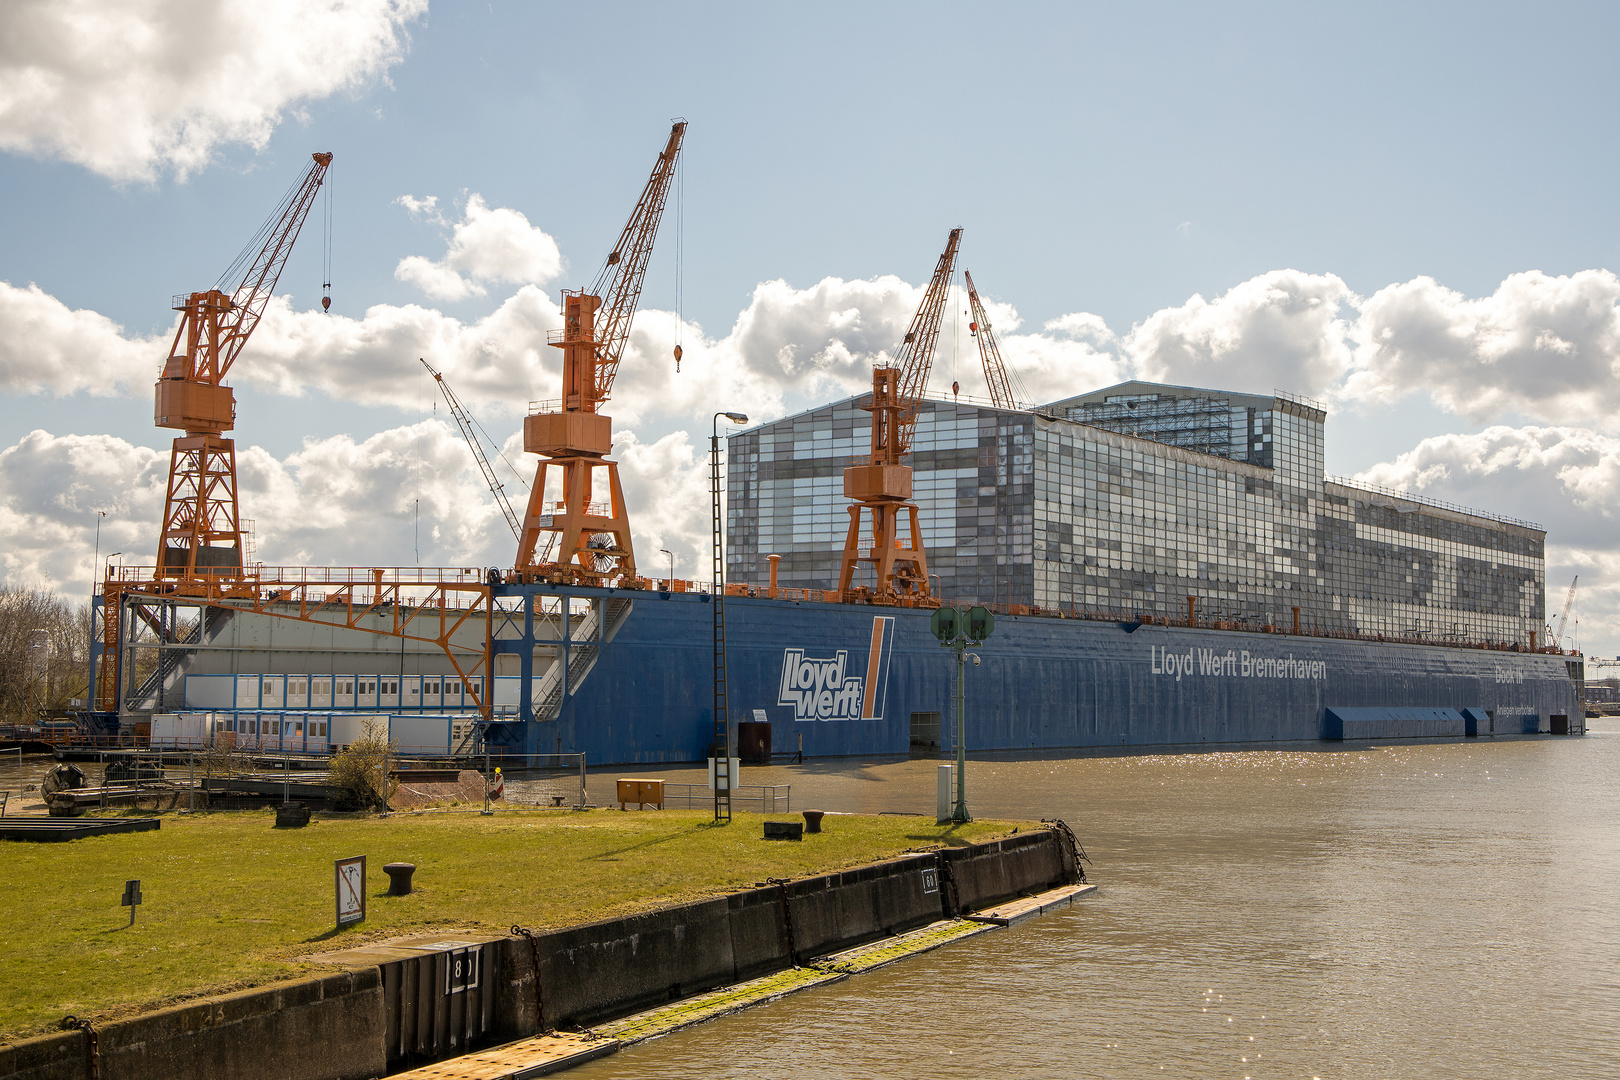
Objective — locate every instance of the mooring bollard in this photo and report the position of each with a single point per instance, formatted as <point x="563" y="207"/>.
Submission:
<point x="399" y="877"/>
<point x="812" y="820"/>
<point x="291" y="816"/>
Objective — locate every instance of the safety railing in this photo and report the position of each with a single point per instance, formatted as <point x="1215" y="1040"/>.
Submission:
<point x="770" y="798"/>
<point x="1424" y="500"/>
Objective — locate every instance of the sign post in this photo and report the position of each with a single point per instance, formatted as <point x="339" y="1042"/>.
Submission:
<point x="351" y="890"/>
<point x="957" y="630"/>
<point x="132" y="898"/>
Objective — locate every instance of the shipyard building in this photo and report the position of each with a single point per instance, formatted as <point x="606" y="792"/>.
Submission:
<point x="1129" y="500"/>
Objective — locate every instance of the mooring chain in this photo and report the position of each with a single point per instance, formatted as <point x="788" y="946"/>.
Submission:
<point x="787" y="917"/>
<point x="947" y="885"/>
<point x="1079" y="853"/>
<point x="73" y="1023"/>
<point x="539" y="997"/>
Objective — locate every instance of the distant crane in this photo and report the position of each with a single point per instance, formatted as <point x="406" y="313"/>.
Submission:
<point x="881" y="487"/>
<point x="465" y="423"/>
<point x="995" y="370"/>
<point x="200" y="547"/>
<point x="1569" y="605"/>
<point x="593" y="540"/>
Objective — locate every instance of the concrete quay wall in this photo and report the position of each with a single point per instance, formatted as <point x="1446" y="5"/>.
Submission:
<point x="604" y="970"/>
<point x="330" y="1028"/>
<point x="336" y="1027"/>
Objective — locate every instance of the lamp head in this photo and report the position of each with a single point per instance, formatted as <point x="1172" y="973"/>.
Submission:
<point x="736" y="417"/>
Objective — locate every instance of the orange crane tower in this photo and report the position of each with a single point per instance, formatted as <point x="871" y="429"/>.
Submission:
<point x="200" y="547"/>
<point x="995" y="370"/>
<point x="592" y="540"/>
<point x="881" y="487"/>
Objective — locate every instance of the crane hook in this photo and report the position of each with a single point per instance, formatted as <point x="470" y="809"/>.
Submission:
<point x="326" y="303"/>
<point x="677" y="359"/>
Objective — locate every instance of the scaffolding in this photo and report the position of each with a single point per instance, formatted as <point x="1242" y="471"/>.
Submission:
<point x="1200" y="423"/>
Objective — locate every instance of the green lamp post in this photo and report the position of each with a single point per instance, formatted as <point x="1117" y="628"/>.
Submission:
<point x="958" y="630"/>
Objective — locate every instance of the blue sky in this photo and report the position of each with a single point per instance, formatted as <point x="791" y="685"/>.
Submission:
<point x="1302" y="169"/>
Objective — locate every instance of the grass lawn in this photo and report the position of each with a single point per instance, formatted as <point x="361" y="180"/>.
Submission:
<point x="230" y="901"/>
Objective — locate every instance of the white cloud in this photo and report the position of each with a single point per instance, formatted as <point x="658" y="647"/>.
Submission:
<point x="134" y="89"/>
<point x="666" y="485"/>
<point x="1566" y="479"/>
<point x="1541" y="346"/>
<point x="486" y="246"/>
<point x="498" y="362"/>
<point x="424" y="209"/>
<point x="1281" y="330"/>
<point x="45" y="346"/>
<point x="50" y="490"/>
<point x="335" y="502"/>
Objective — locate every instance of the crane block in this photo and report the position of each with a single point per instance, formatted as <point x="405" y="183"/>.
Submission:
<point x="560" y="434"/>
<point x="877" y="482"/>
<point x="194" y="406"/>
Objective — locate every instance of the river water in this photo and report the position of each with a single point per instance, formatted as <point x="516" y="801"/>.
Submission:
<point x="1420" y="910"/>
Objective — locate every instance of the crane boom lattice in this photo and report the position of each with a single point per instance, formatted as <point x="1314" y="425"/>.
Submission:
<point x="1569" y="605"/>
<point x="464" y="422"/>
<point x="624" y="271"/>
<point x="995" y="369"/>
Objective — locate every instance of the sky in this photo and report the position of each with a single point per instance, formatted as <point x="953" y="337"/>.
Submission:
<point x="1403" y="211"/>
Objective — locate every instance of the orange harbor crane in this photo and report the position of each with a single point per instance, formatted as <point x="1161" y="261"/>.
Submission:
<point x="881" y="486"/>
<point x="589" y="542"/>
<point x="995" y="370"/>
<point x="201" y="540"/>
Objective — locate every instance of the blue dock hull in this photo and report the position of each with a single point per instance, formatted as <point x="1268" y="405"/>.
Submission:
<point x="847" y="678"/>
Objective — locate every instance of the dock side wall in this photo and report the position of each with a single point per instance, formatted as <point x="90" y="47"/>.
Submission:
<point x="337" y="1027"/>
<point x="329" y="1028"/>
<point x="590" y="974"/>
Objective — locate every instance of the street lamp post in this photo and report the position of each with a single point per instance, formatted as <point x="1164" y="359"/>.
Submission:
<point x="723" y="780"/>
<point x="671" y="554"/>
<point x="957" y="630"/>
<point x="99" y="515"/>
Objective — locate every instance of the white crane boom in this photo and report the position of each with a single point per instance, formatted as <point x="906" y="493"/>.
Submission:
<point x="1569" y="605"/>
<point x="464" y="422"/>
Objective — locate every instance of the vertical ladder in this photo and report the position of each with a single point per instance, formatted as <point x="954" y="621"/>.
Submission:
<point x="722" y="742"/>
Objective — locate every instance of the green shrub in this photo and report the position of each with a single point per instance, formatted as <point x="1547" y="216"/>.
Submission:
<point x="362" y="769"/>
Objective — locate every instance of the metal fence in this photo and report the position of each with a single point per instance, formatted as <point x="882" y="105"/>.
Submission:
<point x="771" y="798"/>
<point x="543" y="780"/>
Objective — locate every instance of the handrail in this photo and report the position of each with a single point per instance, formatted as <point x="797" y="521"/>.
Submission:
<point x="1425" y="500"/>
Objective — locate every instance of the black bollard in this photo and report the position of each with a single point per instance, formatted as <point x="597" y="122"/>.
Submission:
<point x="399" y="877"/>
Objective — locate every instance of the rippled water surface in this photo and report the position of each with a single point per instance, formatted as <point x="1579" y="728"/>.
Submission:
<point x="1436" y="910"/>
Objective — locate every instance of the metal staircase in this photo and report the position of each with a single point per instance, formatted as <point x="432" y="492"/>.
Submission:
<point x="148" y="696"/>
<point x="584" y="649"/>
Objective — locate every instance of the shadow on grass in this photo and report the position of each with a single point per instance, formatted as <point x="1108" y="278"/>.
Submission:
<point x="633" y="847"/>
<point x="328" y="935"/>
<point x="949" y="837"/>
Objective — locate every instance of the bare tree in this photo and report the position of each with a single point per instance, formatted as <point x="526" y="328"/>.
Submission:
<point x="44" y="653"/>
